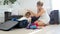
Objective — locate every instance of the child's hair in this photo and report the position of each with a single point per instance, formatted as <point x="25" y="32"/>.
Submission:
<point x="40" y="3"/>
<point x="27" y="14"/>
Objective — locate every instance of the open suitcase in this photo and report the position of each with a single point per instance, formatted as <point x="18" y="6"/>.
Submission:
<point x="8" y="25"/>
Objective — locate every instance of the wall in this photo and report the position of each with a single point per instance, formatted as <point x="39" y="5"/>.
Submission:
<point x="20" y="6"/>
<point x="31" y="4"/>
<point x="2" y="10"/>
<point x="55" y="4"/>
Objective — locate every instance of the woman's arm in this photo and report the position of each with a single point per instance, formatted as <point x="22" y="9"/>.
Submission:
<point x="38" y="14"/>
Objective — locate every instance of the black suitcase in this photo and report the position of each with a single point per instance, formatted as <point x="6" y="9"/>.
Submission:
<point x="54" y="17"/>
<point x="8" y="25"/>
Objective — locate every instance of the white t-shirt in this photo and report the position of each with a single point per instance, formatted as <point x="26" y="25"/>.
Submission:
<point x="24" y="18"/>
<point x="44" y="18"/>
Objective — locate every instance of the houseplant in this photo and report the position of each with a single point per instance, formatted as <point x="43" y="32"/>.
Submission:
<point x="7" y="1"/>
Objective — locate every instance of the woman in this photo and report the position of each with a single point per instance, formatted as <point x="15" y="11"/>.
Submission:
<point x="42" y="14"/>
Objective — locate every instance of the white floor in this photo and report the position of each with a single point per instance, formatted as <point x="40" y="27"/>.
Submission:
<point x="51" y="29"/>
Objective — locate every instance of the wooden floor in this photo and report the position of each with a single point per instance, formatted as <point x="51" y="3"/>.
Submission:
<point x="51" y="29"/>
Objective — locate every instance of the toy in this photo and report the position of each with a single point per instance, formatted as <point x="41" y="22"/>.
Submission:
<point x="31" y="26"/>
<point x="36" y="24"/>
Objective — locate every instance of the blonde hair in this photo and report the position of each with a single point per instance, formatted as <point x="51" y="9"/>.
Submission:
<point x="39" y="3"/>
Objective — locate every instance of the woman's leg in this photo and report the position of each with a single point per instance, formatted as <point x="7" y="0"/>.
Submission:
<point x="40" y="23"/>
